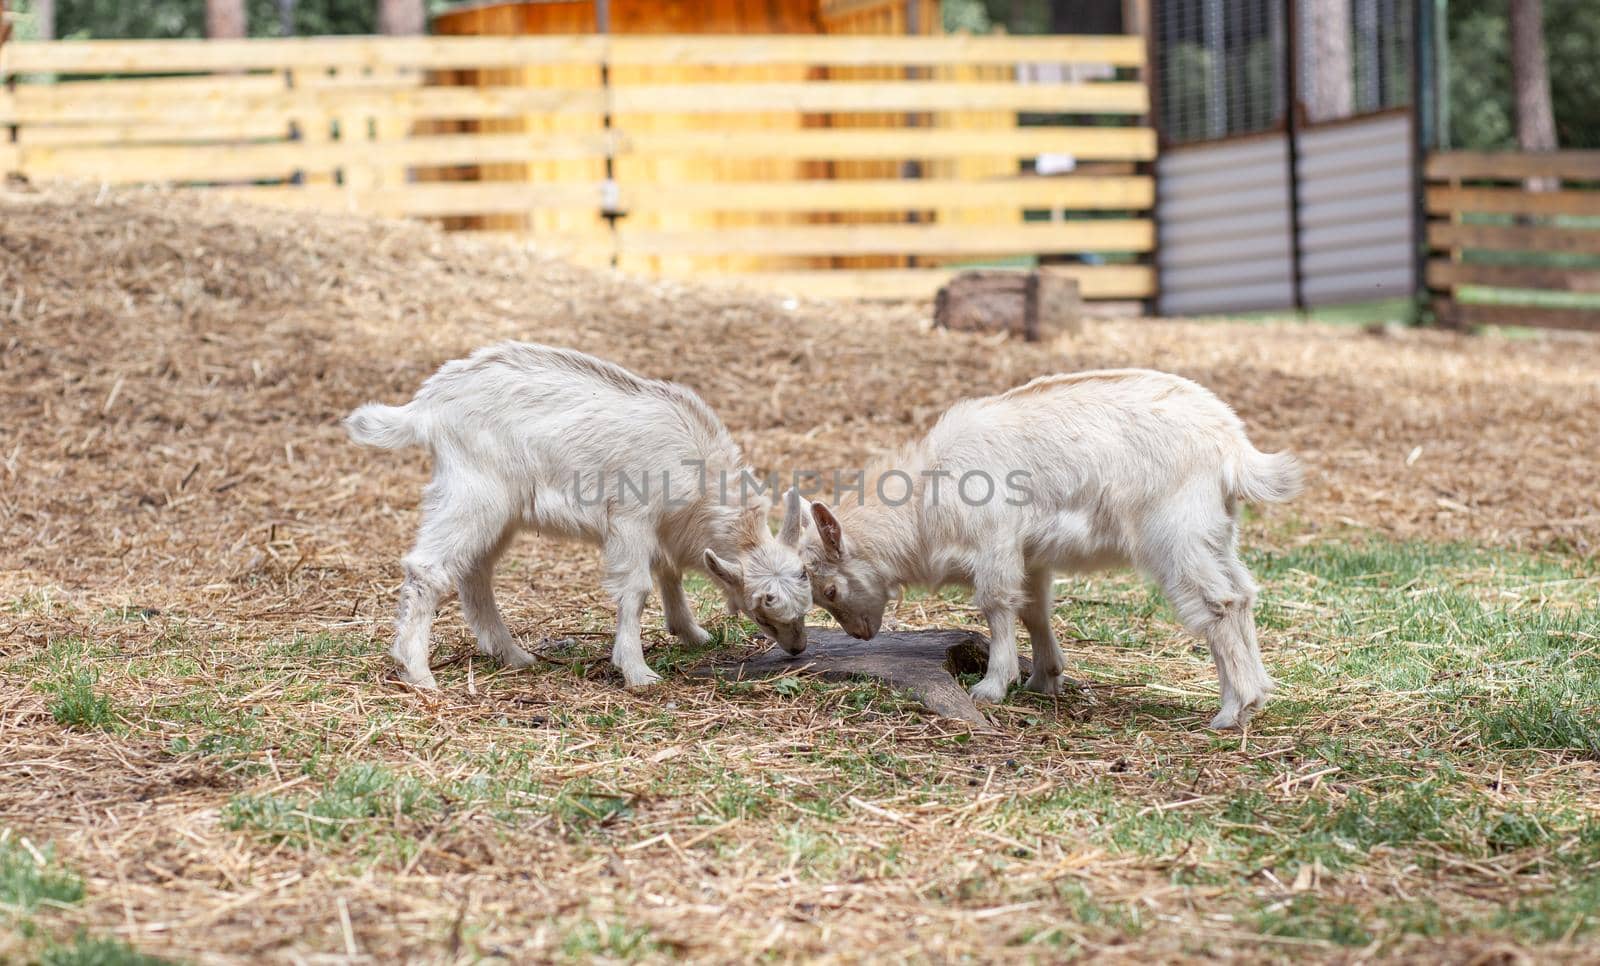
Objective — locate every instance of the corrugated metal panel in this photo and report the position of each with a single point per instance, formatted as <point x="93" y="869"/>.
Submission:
<point x="1243" y="298"/>
<point x="1223" y="211"/>
<point x="1356" y="229"/>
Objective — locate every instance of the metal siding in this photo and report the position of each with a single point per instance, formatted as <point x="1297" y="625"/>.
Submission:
<point x="1356" y="229"/>
<point x="1223" y="213"/>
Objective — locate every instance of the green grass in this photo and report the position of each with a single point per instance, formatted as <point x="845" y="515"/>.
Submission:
<point x="26" y="882"/>
<point x="92" y="951"/>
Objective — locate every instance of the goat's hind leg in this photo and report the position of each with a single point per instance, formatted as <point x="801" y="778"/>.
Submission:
<point x="476" y="589"/>
<point x="1203" y="585"/>
<point x="456" y="532"/>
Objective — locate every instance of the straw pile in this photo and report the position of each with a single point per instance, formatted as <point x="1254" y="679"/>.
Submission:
<point x="172" y="373"/>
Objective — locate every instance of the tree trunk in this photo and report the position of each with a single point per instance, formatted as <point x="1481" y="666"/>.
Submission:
<point x="225" y="19"/>
<point x="44" y="19"/>
<point x="1530" y="75"/>
<point x="402" y="17"/>
<point x="1328" y="94"/>
<point x="286" y="18"/>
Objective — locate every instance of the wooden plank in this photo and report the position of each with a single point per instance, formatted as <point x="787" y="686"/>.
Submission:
<point x="107" y="135"/>
<point x="1511" y="201"/>
<point x="40" y="106"/>
<point x="431" y="199"/>
<point x="1077" y="193"/>
<point x="1443" y="273"/>
<point x="1083" y="143"/>
<point x="10" y="158"/>
<point x="1515" y="165"/>
<point x="1514" y="238"/>
<point x="1129" y="235"/>
<point x="1528" y="315"/>
<point x="166" y="56"/>
<point x="1112" y="97"/>
<point x="172" y="56"/>
<point x="180" y="163"/>
<point x="841" y="50"/>
<point x="1094" y="281"/>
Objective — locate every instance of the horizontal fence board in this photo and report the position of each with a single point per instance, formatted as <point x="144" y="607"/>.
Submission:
<point x="853" y="144"/>
<point x="1514" y="238"/>
<point x="39" y="106"/>
<point x="1514" y="165"/>
<point x="1123" y="235"/>
<point x="194" y="163"/>
<point x="172" y="56"/>
<point x="1511" y="201"/>
<point x="1445" y="274"/>
<point x="166" y="56"/>
<point x="1525" y="315"/>
<point x="104" y="136"/>
<point x="841" y="97"/>
<point x="432" y="199"/>
<point x="868" y="50"/>
<point x="1080" y="193"/>
<point x="1094" y="281"/>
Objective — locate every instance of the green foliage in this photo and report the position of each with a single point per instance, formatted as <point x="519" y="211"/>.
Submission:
<point x="1481" y="95"/>
<point x="360" y="800"/>
<point x="97" y="951"/>
<point x="78" y="705"/>
<point x="25" y="882"/>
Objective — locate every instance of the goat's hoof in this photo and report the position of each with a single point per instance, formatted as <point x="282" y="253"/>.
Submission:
<point x="695" y="636"/>
<point x="419" y="682"/>
<point x="989" y="691"/>
<point x="640" y="678"/>
<point x="1040" y="683"/>
<point x="514" y="656"/>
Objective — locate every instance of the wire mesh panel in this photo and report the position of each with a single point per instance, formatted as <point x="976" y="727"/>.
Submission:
<point x="1220" y="66"/>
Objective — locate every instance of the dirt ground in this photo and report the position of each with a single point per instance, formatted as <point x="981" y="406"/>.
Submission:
<point x="172" y="374"/>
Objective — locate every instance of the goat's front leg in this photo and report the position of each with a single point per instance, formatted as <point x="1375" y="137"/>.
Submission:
<point x="998" y="594"/>
<point x="680" y="615"/>
<point x="627" y="555"/>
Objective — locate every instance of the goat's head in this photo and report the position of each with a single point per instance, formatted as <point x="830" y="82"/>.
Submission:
<point x="846" y="585"/>
<point x="768" y="582"/>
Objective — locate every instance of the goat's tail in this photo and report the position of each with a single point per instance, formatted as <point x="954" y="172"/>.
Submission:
<point x="1259" y="477"/>
<point x="386" y="427"/>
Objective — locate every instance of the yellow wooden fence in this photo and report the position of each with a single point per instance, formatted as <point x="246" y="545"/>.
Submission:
<point x="590" y="146"/>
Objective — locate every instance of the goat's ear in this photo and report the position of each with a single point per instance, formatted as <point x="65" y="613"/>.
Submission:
<point x="828" y="529"/>
<point x="730" y="576"/>
<point x="794" y="518"/>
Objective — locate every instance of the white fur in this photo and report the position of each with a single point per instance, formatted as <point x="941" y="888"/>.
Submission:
<point x="1124" y="467"/>
<point x="530" y="437"/>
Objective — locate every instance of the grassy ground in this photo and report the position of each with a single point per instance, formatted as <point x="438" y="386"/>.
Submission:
<point x="1424" y="778"/>
<point x="203" y="757"/>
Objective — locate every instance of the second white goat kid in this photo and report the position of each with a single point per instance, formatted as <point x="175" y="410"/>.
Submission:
<point x="1067" y="473"/>
<point x="552" y="440"/>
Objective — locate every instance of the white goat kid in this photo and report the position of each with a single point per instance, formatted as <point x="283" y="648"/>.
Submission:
<point x="1067" y="473"/>
<point x="530" y="437"/>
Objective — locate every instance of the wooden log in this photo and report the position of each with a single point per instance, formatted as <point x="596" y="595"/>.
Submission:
<point x="1035" y="306"/>
<point x="922" y="662"/>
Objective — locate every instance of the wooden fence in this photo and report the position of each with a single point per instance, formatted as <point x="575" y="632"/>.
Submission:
<point x="1507" y="251"/>
<point x="640" y="151"/>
